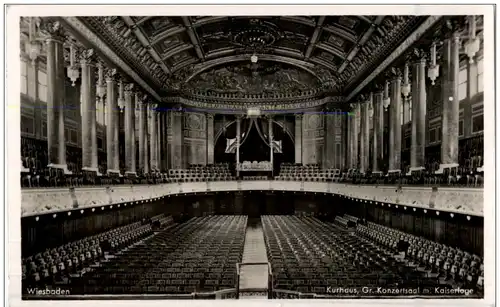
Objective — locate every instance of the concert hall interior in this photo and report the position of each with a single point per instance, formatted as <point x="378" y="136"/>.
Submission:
<point x="234" y="157"/>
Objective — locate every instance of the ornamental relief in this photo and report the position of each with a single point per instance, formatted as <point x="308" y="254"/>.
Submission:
<point x="264" y="77"/>
<point x="194" y="121"/>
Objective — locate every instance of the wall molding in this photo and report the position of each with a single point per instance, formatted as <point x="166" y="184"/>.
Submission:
<point x="36" y="202"/>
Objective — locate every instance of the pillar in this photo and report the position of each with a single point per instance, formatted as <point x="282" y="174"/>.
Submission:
<point x="418" y="120"/>
<point x="395" y="126"/>
<point x="378" y="132"/>
<point x="153" y="137"/>
<point x="158" y="140"/>
<point x="298" y="138"/>
<point x="271" y="138"/>
<point x="364" y="143"/>
<point x="450" y="114"/>
<point x="89" y="126"/>
<point x="177" y="140"/>
<point x="129" y="131"/>
<point x="112" y="116"/>
<point x="142" y="106"/>
<point x="238" y="136"/>
<point x="329" y="139"/>
<point x="354" y="135"/>
<point x="56" y="139"/>
<point x="210" y="138"/>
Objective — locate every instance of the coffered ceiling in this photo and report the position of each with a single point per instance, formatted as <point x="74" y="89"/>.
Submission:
<point x="169" y="51"/>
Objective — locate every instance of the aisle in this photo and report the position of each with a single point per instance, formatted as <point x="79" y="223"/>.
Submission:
<point x="254" y="276"/>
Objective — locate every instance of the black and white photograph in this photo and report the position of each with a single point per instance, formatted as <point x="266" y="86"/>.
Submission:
<point x="259" y="154"/>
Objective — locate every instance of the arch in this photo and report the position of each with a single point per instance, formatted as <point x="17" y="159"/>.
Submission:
<point x="246" y="57"/>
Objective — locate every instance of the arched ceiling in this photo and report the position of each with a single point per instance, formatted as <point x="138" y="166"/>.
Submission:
<point x="168" y="51"/>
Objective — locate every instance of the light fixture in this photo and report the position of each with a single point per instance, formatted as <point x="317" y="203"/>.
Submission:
<point x="34" y="45"/>
<point x="101" y="85"/>
<point x="433" y="71"/>
<point x="387" y="99"/>
<point x="472" y="44"/>
<point x="254" y="58"/>
<point x="72" y="70"/>
<point x="370" y="105"/>
<point x="406" y="87"/>
<point x="121" y="98"/>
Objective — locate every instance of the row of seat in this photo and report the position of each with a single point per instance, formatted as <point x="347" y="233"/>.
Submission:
<point x="59" y="265"/>
<point x="199" y="255"/>
<point x="455" y="266"/>
<point x="308" y="256"/>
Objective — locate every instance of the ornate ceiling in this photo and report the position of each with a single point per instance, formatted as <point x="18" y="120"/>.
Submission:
<point x="171" y="53"/>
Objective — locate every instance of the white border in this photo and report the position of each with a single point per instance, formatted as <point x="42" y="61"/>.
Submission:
<point x="13" y="132"/>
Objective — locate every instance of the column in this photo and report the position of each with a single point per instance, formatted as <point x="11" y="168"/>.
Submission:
<point x="378" y="132"/>
<point x="450" y="114"/>
<point x="238" y="135"/>
<point x="129" y="131"/>
<point x="177" y="140"/>
<point x="89" y="127"/>
<point x="165" y="152"/>
<point x="419" y="102"/>
<point x="56" y="78"/>
<point x="142" y="131"/>
<point x="112" y="118"/>
<point x="365" y="138"/>
<point x="298" y="138"/>
<point x="329" y="138"/>
<point x="161" y="145"/>
<point x="158" y="140"/>
<point x="210" y="138"/>
<point x="153" y="137"/>
<point x="355" y="136"/>
<point x="147" y="153"/>
<point x="395" y="126"/>
<point x="271" y="138"/>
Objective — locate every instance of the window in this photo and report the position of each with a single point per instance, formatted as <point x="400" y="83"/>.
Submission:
<point x="44" y="129"/>
<point x="42" y="86"/>
<point x="407" y="142"/>
<point x="461" y="127"/>
<point x="99" y="143"/>
<point x="480" y="76"/>
<point x="438" y="134"/>
<point x="74" y="136"/>
<point x="432" y="135"/>
<point x="27" y="125"/>
<point x="462" y="84"/>
<point x="477" y="123"/>
<point x="24" y="77"/>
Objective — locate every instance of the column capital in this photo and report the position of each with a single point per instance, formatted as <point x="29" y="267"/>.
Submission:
<point x="53" y="30"/>
<point x="239" y="117"/>
<point x="129" y="89"/>
<point x="209" y="116"/>
<point x="419" y="56"/>
<point x="88" y="57"/>
<point x="111" y="74"/>
<point x="396" y="74"/>
<point x="379" y="94"/>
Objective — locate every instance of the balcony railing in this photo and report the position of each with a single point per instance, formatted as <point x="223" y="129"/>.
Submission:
<point x="56" y="200"/>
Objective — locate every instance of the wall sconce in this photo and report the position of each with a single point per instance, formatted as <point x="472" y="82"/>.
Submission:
<point x="72" y="71"/>
<point x="433" y="70"/>
<point x="472" y="44"/>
